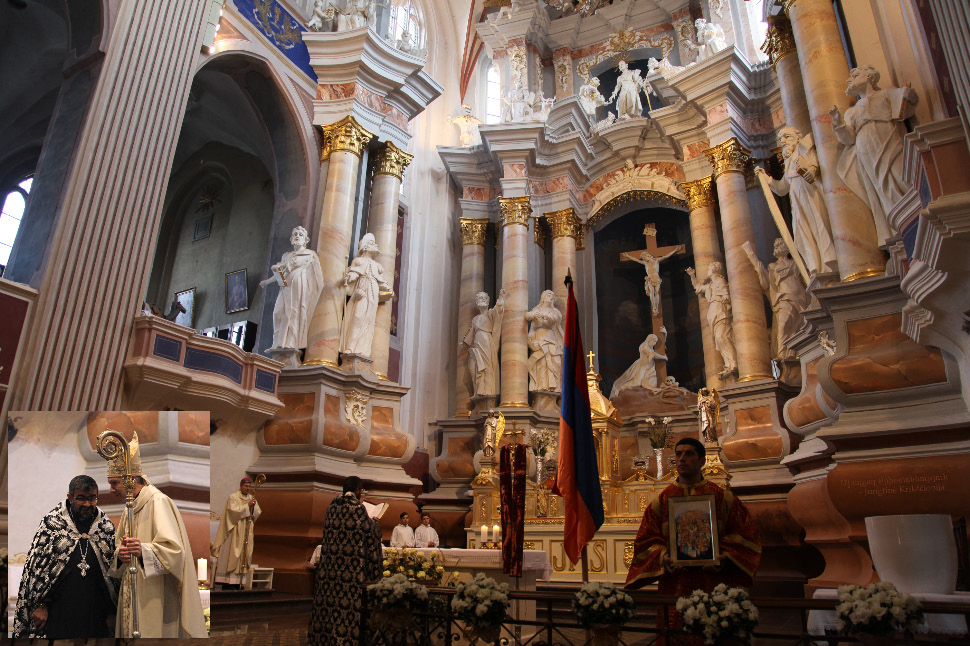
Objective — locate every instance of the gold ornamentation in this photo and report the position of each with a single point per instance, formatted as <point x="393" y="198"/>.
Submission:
<point x="756" y="377"/>
<point x="346" y="135"/>
<point x="391" y="160"/>
<point x="528" y="545"/>
<point x="539" y="233"/>
<point x="355" y="407"/>
<point x="517" y="65"/>
<point x="281" y="29"/>
<point x="565" y="223"/>
<point x="562" y="74"/>
<point x="872" y="272"/>
<point x="729" y="157"/>
<point x="515" y="210"/>
<point x="628" y="554"/>
<point x="513" y="405"/>
<point x="616" y="455"/>
<point x="780" y="41"/>
<point x="484" y="479"/>
<point x="700" y="192"/>
<point x="116" y="459"/>
<point x="321" y="362"/>
<point x="633" y="196"/>
<point x="473" y="231"/>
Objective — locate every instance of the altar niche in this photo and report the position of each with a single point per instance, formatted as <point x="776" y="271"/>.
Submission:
<point x="623" y="309"/>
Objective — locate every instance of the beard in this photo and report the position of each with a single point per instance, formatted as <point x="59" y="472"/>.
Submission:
<point x="787" y="150"/>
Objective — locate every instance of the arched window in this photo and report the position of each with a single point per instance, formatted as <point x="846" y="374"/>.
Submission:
<point x="405" y="26"/>
<point x="493" y="95"/>
<point x="10" y="216"/>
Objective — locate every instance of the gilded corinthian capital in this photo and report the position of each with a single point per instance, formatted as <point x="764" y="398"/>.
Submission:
<point x="780" y="41"/>
<point x="565" y="223"/>
<point x="700" y="192"/>
<point x="515" y="210"/>
<point x="346" y="135"/>
<point x="391" y="160"/>
<point x="473" y="231"/>
<point x="729" y="157"/>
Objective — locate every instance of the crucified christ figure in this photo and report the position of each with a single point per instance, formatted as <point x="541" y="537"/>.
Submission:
<point x="651" y="282"/>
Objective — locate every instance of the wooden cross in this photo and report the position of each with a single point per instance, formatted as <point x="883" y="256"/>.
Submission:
<point x="661" y="254"/>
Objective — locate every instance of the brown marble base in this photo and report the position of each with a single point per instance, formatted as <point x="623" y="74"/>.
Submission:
<point x="637" y="401"/>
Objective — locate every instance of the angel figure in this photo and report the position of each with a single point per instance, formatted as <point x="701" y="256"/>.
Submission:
<point x="709" y="409"/>
<point x="494" y="429"/>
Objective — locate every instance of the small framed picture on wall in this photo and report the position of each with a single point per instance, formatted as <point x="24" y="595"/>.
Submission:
<point x="186" y="315"/>
<point x="237" y="294"/>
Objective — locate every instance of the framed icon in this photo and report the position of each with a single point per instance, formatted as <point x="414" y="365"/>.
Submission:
<point x="237" y="295"/>
<point x="186" y="298"/>
<point x="693" y="530"/>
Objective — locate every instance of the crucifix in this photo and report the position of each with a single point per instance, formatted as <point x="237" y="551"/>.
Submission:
<point x="650" y="258"/>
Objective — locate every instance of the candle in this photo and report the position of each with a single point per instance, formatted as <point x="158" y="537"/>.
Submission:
<point x="496" y="533"/>
<point x="203" y="570"/>
<point x="484" y="535"/>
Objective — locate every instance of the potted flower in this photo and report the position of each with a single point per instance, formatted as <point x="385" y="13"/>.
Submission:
<point x="481" y="603"/>
<point x="724" y="616"/>
<point x="393" y="599"/>
<point x="602" y="609"/>
<point x="872" y="613"/>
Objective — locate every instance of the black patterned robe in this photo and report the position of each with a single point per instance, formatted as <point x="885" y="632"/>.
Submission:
<point x="350" y="554"/>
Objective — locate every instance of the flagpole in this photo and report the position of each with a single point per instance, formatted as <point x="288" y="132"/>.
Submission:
<point x="585" y="560"/>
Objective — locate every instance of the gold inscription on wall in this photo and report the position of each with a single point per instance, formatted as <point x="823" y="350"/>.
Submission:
<point x="894" y="485"/>
<point x="628" y="553"/>
<point x="597" y="557"/>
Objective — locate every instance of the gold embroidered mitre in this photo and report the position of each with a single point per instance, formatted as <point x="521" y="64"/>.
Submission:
<point x="116" y="465"/>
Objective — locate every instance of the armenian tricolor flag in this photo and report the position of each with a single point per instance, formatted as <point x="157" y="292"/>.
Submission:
<point x="577" y="479"/>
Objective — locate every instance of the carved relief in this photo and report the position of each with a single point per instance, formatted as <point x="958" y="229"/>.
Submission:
<point x="473" y="231"/>
<point x="624" y="41"/>
<point x="628" y="554"/>
<point x="355" y="407"/>
<point x="391" y="160"/>
<point x="729" y="157"/>
<point x="700" y="192"/>
<point x="515" y="210"/>
<point x="346" y="135"/>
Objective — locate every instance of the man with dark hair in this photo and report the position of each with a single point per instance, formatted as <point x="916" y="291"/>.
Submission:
<point x="65" y="592"/>
<point x="403" y="535"/>
<point x="425" y="535"/>
<point x="738" y="538"/>
<point x="350" y="554"/>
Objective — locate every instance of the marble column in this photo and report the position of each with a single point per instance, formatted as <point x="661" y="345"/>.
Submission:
<point x="747" y="301"/>
<point x="707" y="249"/>
<point x="515" y="282"/>
<point x="824" y="71"/>
<point x="343" y="143"/>
<point x="473" y="232"/>
<point x="567" y="236"/>
<point x="780" y="48"/>
<point x="382" y="220"/>
<point x="101" y="244"/>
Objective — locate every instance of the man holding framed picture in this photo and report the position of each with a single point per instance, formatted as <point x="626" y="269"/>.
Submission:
<point x="695" y="534"/>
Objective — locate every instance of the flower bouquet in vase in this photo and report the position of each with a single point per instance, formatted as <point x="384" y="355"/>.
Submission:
<point x="660" y="435"/>
<point x="873" y="613"/>
<point x="481" y="603"/>
<point x="602" y="610"/>
<point x="725" y="616"/>
<point x="393" y="599"/>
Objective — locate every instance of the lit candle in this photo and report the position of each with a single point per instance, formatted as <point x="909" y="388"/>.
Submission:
<point x="203" y="570"/>
<point x="496" y="533"/>
<point x="484" y="535"/>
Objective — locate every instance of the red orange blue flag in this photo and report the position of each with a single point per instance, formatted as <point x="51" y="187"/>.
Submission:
<point x="577" y="479"/>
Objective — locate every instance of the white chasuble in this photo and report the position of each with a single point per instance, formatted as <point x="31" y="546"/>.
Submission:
<point x="236" y="534"/>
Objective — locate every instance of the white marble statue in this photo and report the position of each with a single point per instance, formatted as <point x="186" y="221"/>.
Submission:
<point x="783" y="286"/>
<point x="322" y="14"/>
<point x="710" y="39"/>
<point x="546" y="343"/>
<point x="301" y="281"/>
<point x="652" y="280"/>
<point x="590" y="97"/>
<point x="643" y="372"/>
<point x="483" y="339"/>
<point x="665" y="68"/>
<point x="542" y="107"/>
<point x="468" y="125"/>
<point x="365" y="284"/>
<point x="810" y="217"/>
<point x="714" y="288"/>
<point x="357" y="15"/>
<point x="629" y="85"/>
<point x="872" y="130"/>
<point x="605" y="122"/>
<point x="518" y="105"/>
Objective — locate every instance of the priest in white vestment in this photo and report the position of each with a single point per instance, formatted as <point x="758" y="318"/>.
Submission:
<point x="233" y="545"/>
<point x="167" y="601"/>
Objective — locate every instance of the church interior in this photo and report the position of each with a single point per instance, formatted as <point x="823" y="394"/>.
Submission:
<point x="762" y="204"/>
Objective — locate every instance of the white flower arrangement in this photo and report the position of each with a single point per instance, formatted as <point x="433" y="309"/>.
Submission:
<point x="877" y="609"/>
<point x="414" y="565"/>
<point x="396" y="592"/>
<point x="481" y="601"/>
<point x="602" y="603"/>
<point x="726" y="613"/>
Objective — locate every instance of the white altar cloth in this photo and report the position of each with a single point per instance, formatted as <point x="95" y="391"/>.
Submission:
<point x="535" y="561"/>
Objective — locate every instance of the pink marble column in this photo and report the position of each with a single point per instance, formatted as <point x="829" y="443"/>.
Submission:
<point x="382" y="220"/>
<point x="473" y="232"/>
<point x="707" y="249"/>
<point x="567" y="236"/>
<point x="780" y="47"/>
<point x="515" y="282"/>
<point x="825" y="70"/>
<point x="343" y="143"/>
<point x="747" y="301"/>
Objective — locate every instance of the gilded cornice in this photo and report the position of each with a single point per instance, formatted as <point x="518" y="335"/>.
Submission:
<point x="729" y="157"/>
<point x="565" y="223"/>
<point x="515" y="210"/>
<point x="473" y="231"/>
<point x="780" y="41"/>
<point x="346" y="135"/>
<point x="699" y="192"/>
<point x="391" y="160"/>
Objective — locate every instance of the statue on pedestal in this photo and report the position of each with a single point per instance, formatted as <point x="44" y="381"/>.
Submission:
<point x="628" y="88"/>
<point x="810" y="217"/>
<point x="546" y="343"/>
<point x="786" y="292"/>
<point x="301" y="281"/>
<point x="719" y="316"/>
<point x="365" y="284"/>
<point x="708" y="410"/>
<point x="482" y="339"/>
<point x="590" y="97"/>
<point x="710" y="39"/>
<point x="643" y="372"/>
<point x="872" y="131"/>
<point x="494" y="429"/>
